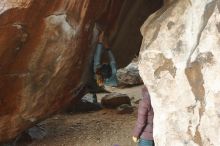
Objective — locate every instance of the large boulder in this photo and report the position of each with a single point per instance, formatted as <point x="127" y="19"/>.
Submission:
<point x="45" y="47"/>
<point x="179" y="63"/>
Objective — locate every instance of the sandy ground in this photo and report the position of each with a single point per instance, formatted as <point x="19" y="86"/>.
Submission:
<point x="100" y="128"/>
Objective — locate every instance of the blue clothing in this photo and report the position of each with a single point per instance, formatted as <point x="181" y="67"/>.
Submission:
<point x="111" y="81"/>
<point x="143" y="142"/>
<point x="97" y="56"/>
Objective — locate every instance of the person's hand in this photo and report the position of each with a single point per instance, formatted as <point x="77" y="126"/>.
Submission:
<point x="135" y="139"/>
<point x="99" y="80"/>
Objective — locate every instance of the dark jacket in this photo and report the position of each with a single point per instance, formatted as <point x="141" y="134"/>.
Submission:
<point x="144" y="124"/>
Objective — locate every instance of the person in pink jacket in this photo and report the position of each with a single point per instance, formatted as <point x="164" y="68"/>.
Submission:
<point x="143" y="131"/>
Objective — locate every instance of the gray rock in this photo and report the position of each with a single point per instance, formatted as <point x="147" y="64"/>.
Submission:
<point x="125" y="109"/>
<point x="137" y="101"/>
<point x="129" y="76"/>
<point x="114" y="100"/>
<point x="88" y="98"/>
<point x="37" y="132"/>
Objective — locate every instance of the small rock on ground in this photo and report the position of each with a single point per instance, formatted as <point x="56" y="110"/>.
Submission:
<point x="113" y="100"/>
<point x="125" y="109"/>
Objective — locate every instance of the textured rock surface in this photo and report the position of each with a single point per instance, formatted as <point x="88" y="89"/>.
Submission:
<point x="125" y="109"/>
<point x="179" y="62"/>
<point x="44" y="49"/>
<point x="125" y="35"/>
<point x="129" y="76"/>
<point x="114" y="100"/>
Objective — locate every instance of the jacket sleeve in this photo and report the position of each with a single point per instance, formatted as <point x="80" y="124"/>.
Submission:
<point x="143" y="109"/>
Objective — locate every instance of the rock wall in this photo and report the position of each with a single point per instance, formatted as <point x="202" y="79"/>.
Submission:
<point x="125" y="37"/>
<point x="179" y="63"/>
<point x="44" y="50"/>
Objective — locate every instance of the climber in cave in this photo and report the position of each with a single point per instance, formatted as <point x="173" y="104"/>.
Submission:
<point x="143" y="131"/>
<point x="103" y="73"/>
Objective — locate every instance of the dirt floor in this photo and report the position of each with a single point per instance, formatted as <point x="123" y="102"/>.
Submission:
<point x="99" y="128"/>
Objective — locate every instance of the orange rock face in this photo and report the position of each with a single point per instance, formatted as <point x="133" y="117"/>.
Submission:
<point x="44" y="49"/>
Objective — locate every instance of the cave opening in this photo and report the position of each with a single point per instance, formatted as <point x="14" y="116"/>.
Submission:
<point x="125" y="35"/>
<point x="42" y="65"/>
<point x="121" y="22"/>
